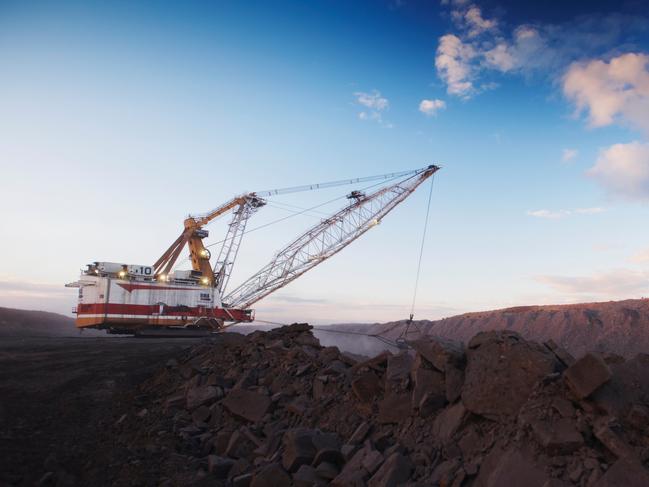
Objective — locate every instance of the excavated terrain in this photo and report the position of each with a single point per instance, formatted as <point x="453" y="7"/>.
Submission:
<point x="277" y="409"/>
<point x="620" y="327"/>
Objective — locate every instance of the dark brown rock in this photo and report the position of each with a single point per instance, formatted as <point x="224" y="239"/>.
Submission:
<point x="586" y="375"/>
<point x="394" y="471"/>
<point x="360" y="433"/>
<point x="243" y="480"/>
<point x="604" y="430"/>
<point x="199" y="395"/>
<point x="427" y="381"/>
<point x="247" y="405"/>
<point x="624" y="473"/>
<point x="394" y="408"/>
<point x="558" y="437"/>
<point x="511" y="468"/>
<point x="218" y="466"/>
<point x="448" y="422"/>
<point x="397" y="374"/>
<point x="201" y="414"/>
<point x="629" y="385"/>
<point x="271" y="476"/>
<point x="353" y="473"/>
<point x="306" y="476"/>
<point x="453" y="380"/>
<point x="430" y="403"/>
<point x="560" y="353"/>
<point x="372" y="461"/>
<point x="298" y="448"/>
<point x="367" y="386"/>
<point x="502" y="370"/>
<point x="327" y="471"/>
<point x="221" y="442"/>
<point x="239" y="445"/>
<point x="439" y="351"/>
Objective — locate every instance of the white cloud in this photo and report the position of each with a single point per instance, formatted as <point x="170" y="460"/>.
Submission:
<point x="551" y="215"/>
<point x="480" y="45"/>
<point x="453" y="64"/>
<point x="374" y="105"/>
<point x="372" y="100"/>
<point x="615" y="283"/>
<point x="623" y="170"/>
<point x="589" y="211"/>
<point x="556" y="214"/>
<point x="431" y="107"/>
<point x="475" y="23"/>
<point x="501" y="57"/>
<point x="614" y="91"/>
<point x="640" y="257"/>
<point x="569" y="155"/>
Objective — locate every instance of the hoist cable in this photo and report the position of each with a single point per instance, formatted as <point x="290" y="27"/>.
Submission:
<point x="421" y="249"/>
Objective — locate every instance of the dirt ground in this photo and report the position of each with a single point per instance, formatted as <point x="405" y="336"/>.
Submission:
<point x="57" y="395"/>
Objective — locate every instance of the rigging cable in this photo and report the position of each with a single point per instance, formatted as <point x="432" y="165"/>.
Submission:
<point x="279" y="220"/>
<point x="421" y="253"/>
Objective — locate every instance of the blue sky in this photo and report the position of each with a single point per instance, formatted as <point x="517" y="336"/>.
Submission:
<point x="119" y="118"/>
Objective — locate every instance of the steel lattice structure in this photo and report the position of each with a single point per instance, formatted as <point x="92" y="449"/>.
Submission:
<point x="325" y="239"/>
<point x="230" y="249"/>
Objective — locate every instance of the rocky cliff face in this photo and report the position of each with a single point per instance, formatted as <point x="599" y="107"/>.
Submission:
<point x="277" y="409"/>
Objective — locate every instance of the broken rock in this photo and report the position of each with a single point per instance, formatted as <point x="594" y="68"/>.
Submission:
<point x="558" y="437"/>
<point x="199" y="395"/>
<point x="394" y="471"/>
<point x="502" y="370"/>
<point x="586" y="375"/>
<point x="448" y="422"/>
<point x="439" y="351"/>
<point x="298" y="448"/>
<point x="367" y="386"/>
<point x="271" y="476"/>
<point x="247" y="405"/>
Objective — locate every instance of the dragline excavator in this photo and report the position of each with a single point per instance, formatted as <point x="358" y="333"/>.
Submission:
<point x="137" y="299"/>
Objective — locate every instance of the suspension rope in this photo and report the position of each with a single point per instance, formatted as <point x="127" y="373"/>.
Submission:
<point x="421" y="249"/>
<point x="304" y="211"/>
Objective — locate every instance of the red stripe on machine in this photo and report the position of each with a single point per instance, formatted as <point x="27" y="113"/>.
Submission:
<point x="146" y="309"/>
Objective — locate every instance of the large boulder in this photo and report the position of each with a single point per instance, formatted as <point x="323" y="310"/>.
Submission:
<point x="628" y="386"/>
<point x="247" y="405"/>
<point x="513" y="467"/>
<point x="440" y="352"/>
<point x="502" y="370"/>
<point x="586" y="375"/>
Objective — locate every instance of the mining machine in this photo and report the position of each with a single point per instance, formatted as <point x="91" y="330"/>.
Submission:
<point x="152" y="299"/>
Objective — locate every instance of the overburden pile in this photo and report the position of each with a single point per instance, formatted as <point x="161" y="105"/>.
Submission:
<point x="277" y="409"/>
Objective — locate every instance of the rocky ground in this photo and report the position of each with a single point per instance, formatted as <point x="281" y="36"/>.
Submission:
<point x="58" y="397"/>
<point x="277" y="409"/>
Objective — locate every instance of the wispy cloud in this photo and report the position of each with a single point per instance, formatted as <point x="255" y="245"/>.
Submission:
<point x="373" y="105"/>
<point x="623" y="170"/>
<point x="481" y="45"/>
<point x="640" y="257"/>
<point x="556" y="214"/>
<point x="431" y="107"/>
<point x="549" y="214"/>
<point x="568" y="155"/>
<point x="614" y="283"/>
